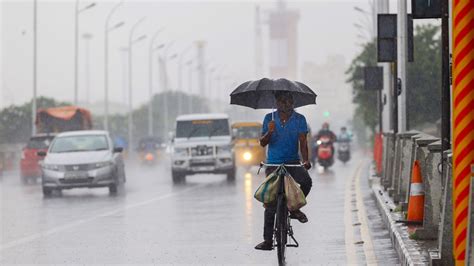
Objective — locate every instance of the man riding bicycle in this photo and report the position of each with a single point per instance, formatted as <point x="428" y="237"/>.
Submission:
<point x="285" y="136"/>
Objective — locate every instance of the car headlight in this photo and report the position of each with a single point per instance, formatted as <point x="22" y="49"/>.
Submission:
<point x="247" y="156"/>
<point x="224" y="149"/>
<point x="53" y="167"/>
<point x="100" y="165"/>
<point x="181" y="151"/>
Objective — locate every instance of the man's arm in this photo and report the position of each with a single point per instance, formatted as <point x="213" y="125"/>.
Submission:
<point x="265" y="139"/>
<point x="304" y="150"/>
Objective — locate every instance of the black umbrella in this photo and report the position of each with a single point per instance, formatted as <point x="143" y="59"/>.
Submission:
<point x="260" y="94"/>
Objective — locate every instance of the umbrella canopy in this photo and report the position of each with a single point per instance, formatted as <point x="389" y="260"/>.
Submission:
<point x="260" y="94"/>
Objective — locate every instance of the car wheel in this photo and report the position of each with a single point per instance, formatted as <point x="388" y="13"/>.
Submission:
<point x="47" y="191"/>
<point x="113" y="189"/>
<point x="178" y="178"/>
<point x="231" y="175"/>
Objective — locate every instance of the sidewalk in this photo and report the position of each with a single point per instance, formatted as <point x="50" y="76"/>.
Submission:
<point x="410" y="251"/>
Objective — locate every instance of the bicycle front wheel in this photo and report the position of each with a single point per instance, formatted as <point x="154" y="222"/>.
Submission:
<point x="281" y="228"/>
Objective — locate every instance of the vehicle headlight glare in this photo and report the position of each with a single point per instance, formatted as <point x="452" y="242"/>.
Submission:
<point x="247" y="156"/>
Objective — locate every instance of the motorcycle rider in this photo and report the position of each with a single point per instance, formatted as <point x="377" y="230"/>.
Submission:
<point x="325" y="132"/>
<point x="344" y="136"/>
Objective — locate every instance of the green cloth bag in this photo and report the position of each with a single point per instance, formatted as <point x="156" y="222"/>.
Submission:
<point x="295" y="198"/>
<point x="267" y="192"/>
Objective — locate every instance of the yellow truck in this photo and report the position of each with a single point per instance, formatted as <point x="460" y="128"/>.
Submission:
<point x="248" y="151"/>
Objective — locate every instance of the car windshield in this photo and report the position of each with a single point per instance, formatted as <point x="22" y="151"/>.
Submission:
<point x="79" y="143"/>
<point x="202" y="128"/>
<point x="247" y="132"/>
<point x="39" y="142"/>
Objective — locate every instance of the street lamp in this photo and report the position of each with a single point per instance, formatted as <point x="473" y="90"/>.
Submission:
<point x="108" y="29"/>
<point x="164" y="81"/>
<point x="150" y="80"/>
<point x="87" y="37"/>
<point x="131" y="41"/>
<point x="180" y="75"/>
<point x="33" y="104"/>
<point x="190" y="89"/>
<point x="76" y="45"/>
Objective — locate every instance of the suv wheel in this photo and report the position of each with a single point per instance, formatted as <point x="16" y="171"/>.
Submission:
<point x="231" y="174"/>
<point x="177" y="177"/>
<point x="113" y="188"/>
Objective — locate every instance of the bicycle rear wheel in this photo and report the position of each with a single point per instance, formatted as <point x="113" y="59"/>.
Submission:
<point x="281" y="228"/>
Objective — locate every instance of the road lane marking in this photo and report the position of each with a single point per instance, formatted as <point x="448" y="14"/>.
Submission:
<point x="36" y="236"/>
<point x="370" y="257"/>
<point x="349" y="231"/>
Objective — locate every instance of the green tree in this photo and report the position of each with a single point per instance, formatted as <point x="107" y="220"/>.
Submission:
<point x="15" y="120"/>
<point x="423" y="81"/>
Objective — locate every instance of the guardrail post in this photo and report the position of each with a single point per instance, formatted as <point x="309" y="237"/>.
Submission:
<point x="445" y="234"/>
<point x="390" y="154"/>
<point x="395" y="173"/>
<point x="429" y="156"/>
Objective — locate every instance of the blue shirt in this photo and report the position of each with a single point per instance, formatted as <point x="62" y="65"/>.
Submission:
<point x="283" y="146"/>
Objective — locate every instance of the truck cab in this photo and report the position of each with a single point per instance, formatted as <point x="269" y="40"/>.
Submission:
<point x="202" y="144"/>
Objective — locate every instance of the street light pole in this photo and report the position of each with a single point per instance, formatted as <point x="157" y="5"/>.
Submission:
<point x="130" y="82"/>
<point x="87" y="37"/>
<point x="150" y="81"/>
<point x="106" y="62"/>
<point x="76" y="45"/>
<point x="180" y="76"/>
<point x="33" y="104"/>
<point x="190" y="89"/>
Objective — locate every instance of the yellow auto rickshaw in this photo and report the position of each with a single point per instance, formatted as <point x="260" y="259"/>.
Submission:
<point x="248" y="151"/>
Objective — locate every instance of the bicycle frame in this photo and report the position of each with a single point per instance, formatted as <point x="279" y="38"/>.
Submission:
<point x="282" y="224"/>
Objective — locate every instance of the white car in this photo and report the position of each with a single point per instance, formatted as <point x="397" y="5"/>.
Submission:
<point x="84" y="158"/>
<point x="202" y="144"/>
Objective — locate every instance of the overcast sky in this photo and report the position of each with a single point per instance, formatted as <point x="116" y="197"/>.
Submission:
<point x="326" y="27"/>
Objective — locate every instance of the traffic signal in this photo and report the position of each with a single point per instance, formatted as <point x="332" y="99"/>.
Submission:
<point x="426" y="8"/>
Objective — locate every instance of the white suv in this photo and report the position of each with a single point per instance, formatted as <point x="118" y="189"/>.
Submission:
<point x="202" y="144"/>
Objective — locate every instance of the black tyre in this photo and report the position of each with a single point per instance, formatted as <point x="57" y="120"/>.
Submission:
<point x="177" y="177"/>
<point x="231" y="174"/>
<point x="282" y="230"/>
<point x="47" y="192"/>
<point x="113" y="188"/>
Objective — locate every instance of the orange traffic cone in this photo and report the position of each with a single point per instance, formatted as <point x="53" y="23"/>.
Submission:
<point x="417" y="195"/>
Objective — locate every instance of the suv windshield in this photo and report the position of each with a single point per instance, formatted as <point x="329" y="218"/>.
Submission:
<point x="247" y="132"/>
<point x="202" y="128"/>
<point x="39" y="142"/>
<point x="80" y="143"/>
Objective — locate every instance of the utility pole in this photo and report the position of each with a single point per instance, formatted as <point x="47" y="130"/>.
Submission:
<point x="445" y="83"/>
<point x="130" y="82"/>
<point x="382" y="7"/>
<point x="151" y="49"/>
<point x="76" y="46"/>
<point x="35" y="46"/>
<point x="401" y="64"/>
<point x="106" y="62"/>
<point x="87" y="37"/>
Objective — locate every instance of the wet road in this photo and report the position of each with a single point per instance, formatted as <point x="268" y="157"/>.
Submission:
<point x="205" y="221"/>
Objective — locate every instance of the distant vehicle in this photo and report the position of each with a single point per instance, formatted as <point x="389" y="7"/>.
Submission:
<point x="150" y="149"/>
<point x="246" y="136"/>
<point x="29" y="167"/>
<point x="325" y="152"/>
<point x="203" y="144"/>
<point x="65" y="118"/>
<point x="82" y="159"/>
<point x="344" y="151"/>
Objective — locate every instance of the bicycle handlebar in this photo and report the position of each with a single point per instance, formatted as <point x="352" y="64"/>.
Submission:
<point x="285" y="165"/>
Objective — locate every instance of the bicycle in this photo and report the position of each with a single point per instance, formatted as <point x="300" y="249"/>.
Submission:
<point x="282" y="225"/>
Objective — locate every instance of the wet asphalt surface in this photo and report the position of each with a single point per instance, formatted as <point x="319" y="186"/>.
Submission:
<point x="206" y="221"/>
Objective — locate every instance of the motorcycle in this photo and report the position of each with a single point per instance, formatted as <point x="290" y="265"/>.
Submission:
<point x="325" y="148"/>
<point x="344" y="152"/>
